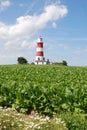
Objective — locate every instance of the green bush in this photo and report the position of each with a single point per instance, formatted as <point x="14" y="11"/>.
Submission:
<point x="22" y="60"/>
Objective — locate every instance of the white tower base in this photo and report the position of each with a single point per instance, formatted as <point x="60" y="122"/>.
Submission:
<point x="40" y="62"/>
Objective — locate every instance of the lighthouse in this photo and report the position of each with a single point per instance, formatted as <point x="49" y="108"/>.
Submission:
<point x="40" y="59"/>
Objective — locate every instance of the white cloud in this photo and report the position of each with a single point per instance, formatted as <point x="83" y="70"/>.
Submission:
<point x="4" y="4"/>
<point x="27" y="25"/>
<point x="80" y="50"/>
<point x="18" y="44"/>
<point x="16" y="37"/>
<point x="64" y="46"/>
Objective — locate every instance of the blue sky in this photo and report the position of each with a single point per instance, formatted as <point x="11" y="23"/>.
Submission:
<point x="61" y="23"/>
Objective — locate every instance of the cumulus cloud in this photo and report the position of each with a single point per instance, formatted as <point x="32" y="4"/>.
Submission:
<point x="16" y="37"/>
<point x="18" y="44"/>
<point x="26" y="26"/>
<point x="4" y="4"/>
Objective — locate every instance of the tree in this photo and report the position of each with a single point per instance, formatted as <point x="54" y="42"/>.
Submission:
<point x="22" y="60"/>
<point x="64" y="62"/>
<point x="48" y="62"/>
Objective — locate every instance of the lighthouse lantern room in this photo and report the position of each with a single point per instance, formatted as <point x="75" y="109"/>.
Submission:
<point x="40" y="59"/>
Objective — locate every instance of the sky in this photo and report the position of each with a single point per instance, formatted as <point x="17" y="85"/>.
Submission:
<point x="61" y="23"/>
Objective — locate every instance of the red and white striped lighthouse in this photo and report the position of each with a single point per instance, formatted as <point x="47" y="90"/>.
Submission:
<point x="39" y="52"/>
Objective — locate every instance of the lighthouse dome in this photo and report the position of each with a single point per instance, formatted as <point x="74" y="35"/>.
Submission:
<point x="40" y="39"/>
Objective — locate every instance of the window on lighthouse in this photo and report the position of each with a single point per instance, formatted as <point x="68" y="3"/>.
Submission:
<point x="43" y="58"/>
<point x="38" y="59"/>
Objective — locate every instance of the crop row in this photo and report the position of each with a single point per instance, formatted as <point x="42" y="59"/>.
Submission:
<point x="46" y="89"/>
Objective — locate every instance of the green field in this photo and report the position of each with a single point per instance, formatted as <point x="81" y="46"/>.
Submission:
<point x="46" y="89"/>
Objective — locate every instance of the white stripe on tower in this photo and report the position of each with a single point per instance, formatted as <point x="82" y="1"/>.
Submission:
<point x="39" y="49"/>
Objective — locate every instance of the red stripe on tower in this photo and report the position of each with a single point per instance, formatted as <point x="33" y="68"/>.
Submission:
<point x="39" y="50"/>
<point x="39" y="53"/>
<point x="40" y="44"/>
